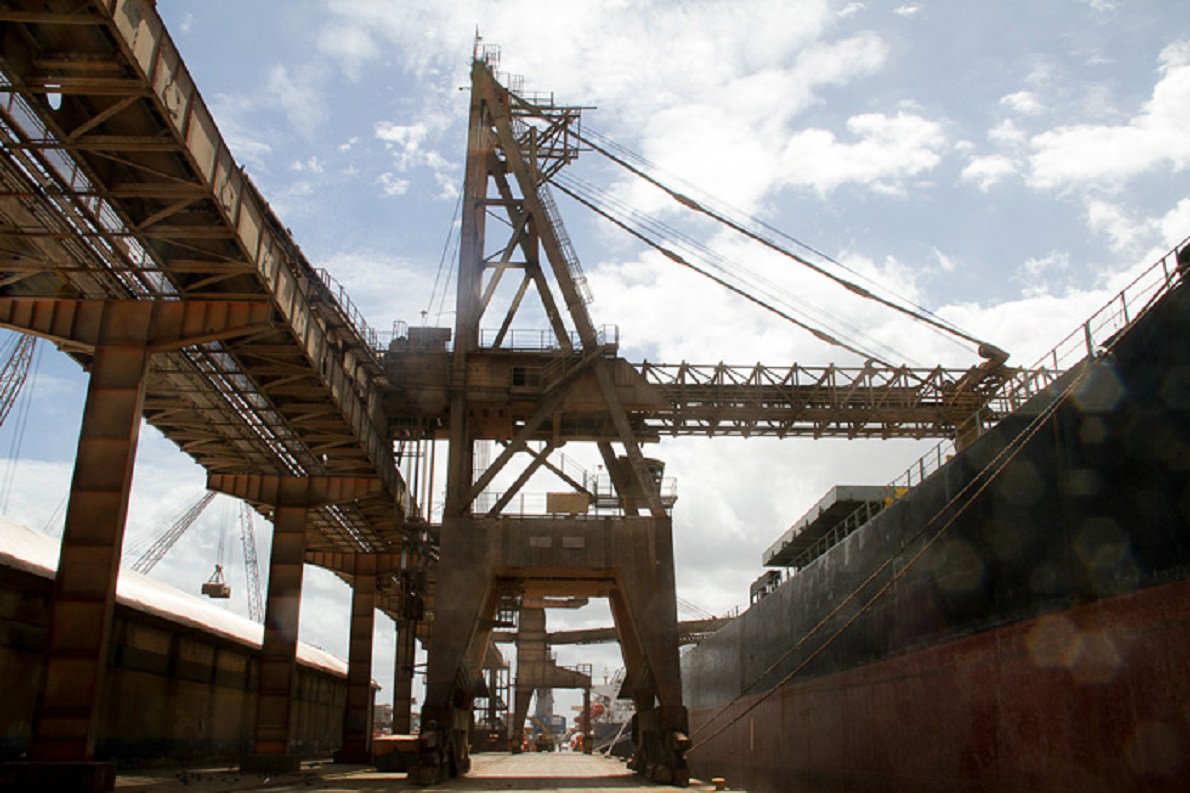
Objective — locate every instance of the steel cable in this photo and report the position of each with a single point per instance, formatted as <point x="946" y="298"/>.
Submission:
<point x="754" y="283"/>
<point x="919" y="313"/>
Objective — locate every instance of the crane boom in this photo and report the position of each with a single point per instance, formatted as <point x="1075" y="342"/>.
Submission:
<point x="251" y="566"/>
<point x="717" y="400"/>
<point x="14" y="371"/>
<point x="158" y="549"/>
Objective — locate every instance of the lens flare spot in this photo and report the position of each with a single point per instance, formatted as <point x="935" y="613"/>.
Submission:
<point x="1098" y="659"/>
<point x="1100" y="392"/>
<point x="1052" y="641"/>
<point x="958" y="568"/>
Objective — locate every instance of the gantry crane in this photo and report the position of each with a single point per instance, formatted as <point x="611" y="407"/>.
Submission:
<point x="513" y="147"/>
<point x="572" y="387"/>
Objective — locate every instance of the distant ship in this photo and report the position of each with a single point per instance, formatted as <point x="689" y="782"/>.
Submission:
<point x="1018" y="621"/>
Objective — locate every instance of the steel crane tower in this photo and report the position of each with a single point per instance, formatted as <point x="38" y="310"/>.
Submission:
<point x="487" y="558"/>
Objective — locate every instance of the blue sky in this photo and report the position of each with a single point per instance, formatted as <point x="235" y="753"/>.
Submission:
<point x="1005" y="164"/>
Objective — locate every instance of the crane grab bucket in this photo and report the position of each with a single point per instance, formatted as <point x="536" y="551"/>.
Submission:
<point x="215" y="586"/>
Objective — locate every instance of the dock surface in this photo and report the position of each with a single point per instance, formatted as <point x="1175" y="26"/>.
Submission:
<point x="561" y="771"/>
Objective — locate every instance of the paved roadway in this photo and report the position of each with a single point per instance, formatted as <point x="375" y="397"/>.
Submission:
<point x="559" y="771"/>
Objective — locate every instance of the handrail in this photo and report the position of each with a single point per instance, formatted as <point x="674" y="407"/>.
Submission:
<point x="543" y="339"/>
<point x="350" y="313"/>
<point x="568" y="252"/>
<point x="1086" y="341"/>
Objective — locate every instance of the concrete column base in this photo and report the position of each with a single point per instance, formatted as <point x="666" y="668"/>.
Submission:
<point x="270" y="764"/>
<point x="86" y="777"/>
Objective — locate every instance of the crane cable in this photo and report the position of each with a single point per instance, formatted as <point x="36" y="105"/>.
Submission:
<point x="442" y="260"/>
<point x="22" y="365"/>
<point x="150" y="549"/>
<point x="867" y="294"/>
<point x="756" y="222"/>
<point x="757" y="283"/>
<point x="679" y="259"/>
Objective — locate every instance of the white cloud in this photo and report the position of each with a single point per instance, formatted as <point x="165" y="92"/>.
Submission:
<point x="407" y="142"/>
<point x="1040" y="275"/>
<point x="244" y="139"/>
<point x="688" y="324"/>
<point x="404" y="140"/>
<point x="945" y="262"/>
<point x="1153" y="139"/>
<point x="987" y="171"/>
<point x="352" y="46"/>
<point x="1023" y="102"/>
<point x="391" y="185"/>
<point x="1172" y="227"/>
<point x="851" y="9"/>
<point x="310" y="165"/>
<point x="299" y="96"/>
<point x="689" y="134"/>
<point x="886" y="153"/>
<point x="405" y="136"/>
<point x="907" y="11"/>
<point x="359" y="271"/>
<point x="717" y="96"/>
<point x="1111" y="220"/>
<point x="1006" y="133"/>
<point x="1030" y="326"/>
<point x="1130" y="234"/>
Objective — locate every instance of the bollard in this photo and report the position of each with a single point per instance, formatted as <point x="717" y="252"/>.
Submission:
<point x="719" y="782"/>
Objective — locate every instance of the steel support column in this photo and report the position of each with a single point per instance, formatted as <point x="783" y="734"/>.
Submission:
<point x="292" y="497"/>
<point x="520" y="711"/>
<point x="278" y="651"/>
<point x="84" y="595"/>
<point x="645" y="612"/>
<point x="462" y="623"/>
<point x="121" y="336"/>
<point x="588" y="733"/>
<point x="357" y="718"/>
<point x="403" y="677"/>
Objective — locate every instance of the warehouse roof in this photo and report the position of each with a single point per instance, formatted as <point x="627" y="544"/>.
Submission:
<point x="27" y="549"/>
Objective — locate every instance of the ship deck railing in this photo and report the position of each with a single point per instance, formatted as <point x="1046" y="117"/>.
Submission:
<point x="1085" y="342"/>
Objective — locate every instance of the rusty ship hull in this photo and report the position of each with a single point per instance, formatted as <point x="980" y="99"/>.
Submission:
<point x="1018" y="621"/>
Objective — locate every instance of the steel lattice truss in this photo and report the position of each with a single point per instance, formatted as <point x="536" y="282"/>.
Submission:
<point x="821" y="401"/>
<point x="116" y="184"/>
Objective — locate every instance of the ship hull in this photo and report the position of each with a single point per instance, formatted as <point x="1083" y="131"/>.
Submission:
<point x="1092" y="698"/>
<point x="1018" y="621"/>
